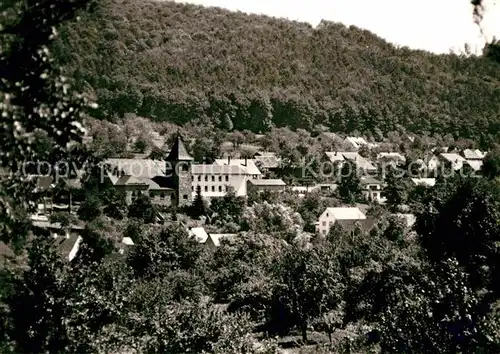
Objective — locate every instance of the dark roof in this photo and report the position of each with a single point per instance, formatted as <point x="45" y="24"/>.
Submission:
<point x="178" y="151"/>
<point x="65" y="245"/>
<point x="127" y="180"/>
<point x="350" y="225"/>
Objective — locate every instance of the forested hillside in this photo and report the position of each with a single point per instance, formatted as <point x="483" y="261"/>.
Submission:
<point x="175" y="62"/>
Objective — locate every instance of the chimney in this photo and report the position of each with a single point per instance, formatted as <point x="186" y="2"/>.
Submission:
<point x="245" y="161"/>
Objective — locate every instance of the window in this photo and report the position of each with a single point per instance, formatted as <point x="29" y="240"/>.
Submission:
<point x="206" y="188"/>
<point x="199" y="178"/>
<point x="185" y="196"/>
<point x="162" y="195"/>
<point x="220" y="178"/>
<point x="192" y="188"/>
<point x="326" y="214"/>
<point x="151" y="194"/>
<point x="213" y="178"/>
<point x="227" y="178"/>
<point x="324" y="232"/>
<point x="330" y="223"/>
<point x="213" y="188"/>
<point x="324" y="223"/>
<point x="192" y="178"/>
<point x="220" y="188"/>
<point x="206" y="178"/>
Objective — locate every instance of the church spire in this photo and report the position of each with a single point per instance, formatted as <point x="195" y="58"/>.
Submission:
<point x="178" y="151"/>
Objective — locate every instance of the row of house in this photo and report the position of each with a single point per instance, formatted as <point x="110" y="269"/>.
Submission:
<point x="176" y="180"/>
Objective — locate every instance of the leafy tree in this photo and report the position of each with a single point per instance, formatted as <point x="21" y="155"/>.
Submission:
<point x="140" y="146"/>
<point x="161" y="252"/>
<point x="272" y="218"/>
<point x="38" y="303"/>
<point x="349" y="187"/>
<point x="115" y="205"/>
<point x="227" y="209"/>
<point x="308" y="284"/>
<point x="90" y="209"/>
<point x="64" y="219"/>
<point x="395" y="189"/>
<point x="142" y="208"/>
<point x="491" y="165"/>
<point x="35" y="98"/>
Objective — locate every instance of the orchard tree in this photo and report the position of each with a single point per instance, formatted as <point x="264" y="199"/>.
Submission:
<point x="142" y="208"/>
<point x="308" y="284"/>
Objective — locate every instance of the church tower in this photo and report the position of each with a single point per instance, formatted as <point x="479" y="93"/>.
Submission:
<point x="178" y="170"/>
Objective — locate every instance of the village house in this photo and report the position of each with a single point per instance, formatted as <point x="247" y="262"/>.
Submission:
<point x="391" y="156"/>
<point x="337" y="158"/>
<point x="331" y="215"/>
<point x="453" y="160"/>
<point x="208" y="240"/>
<point x="372" y="189"/>
<point x="267" y="161"/>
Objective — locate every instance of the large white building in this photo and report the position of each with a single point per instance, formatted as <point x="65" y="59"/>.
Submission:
<point x="331" y="215"/>
<point x="216" y="180"/>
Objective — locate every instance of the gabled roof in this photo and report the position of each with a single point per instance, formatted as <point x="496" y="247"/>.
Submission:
<point x="248" y="165"/>
<point x="217" y="238"/>
<point x="127" y="180"/>
<point x="127" y="241"/>
<point x="153" y="186"/>
<point x="267" y="182"/>
<point x="329" y="135"/>
<point x="359" y="160"/>
<point x="350" y="225"/>
<point x="68" y="246"/>
<point x="369" y="180"/>
<point x="475" y="164"/>
<point x="470" y="154"/>
<point x="335" y="156"/>
<point x="456" y="160"/>
<point x="178" y="151"/>
<point x="139" y="168"/>
<point x="391" y="155"/>
<point x="198" y="233"/>
<point x="356" y="142"/>
<point x="267" y="161"/>
<point x="345" y="213"/>
<point x="217" y="170"/>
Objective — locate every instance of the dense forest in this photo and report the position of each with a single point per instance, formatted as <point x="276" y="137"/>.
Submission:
<point x="179" y="63"/>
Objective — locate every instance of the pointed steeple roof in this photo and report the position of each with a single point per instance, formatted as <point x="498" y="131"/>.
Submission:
<point x="178" y="151"/>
